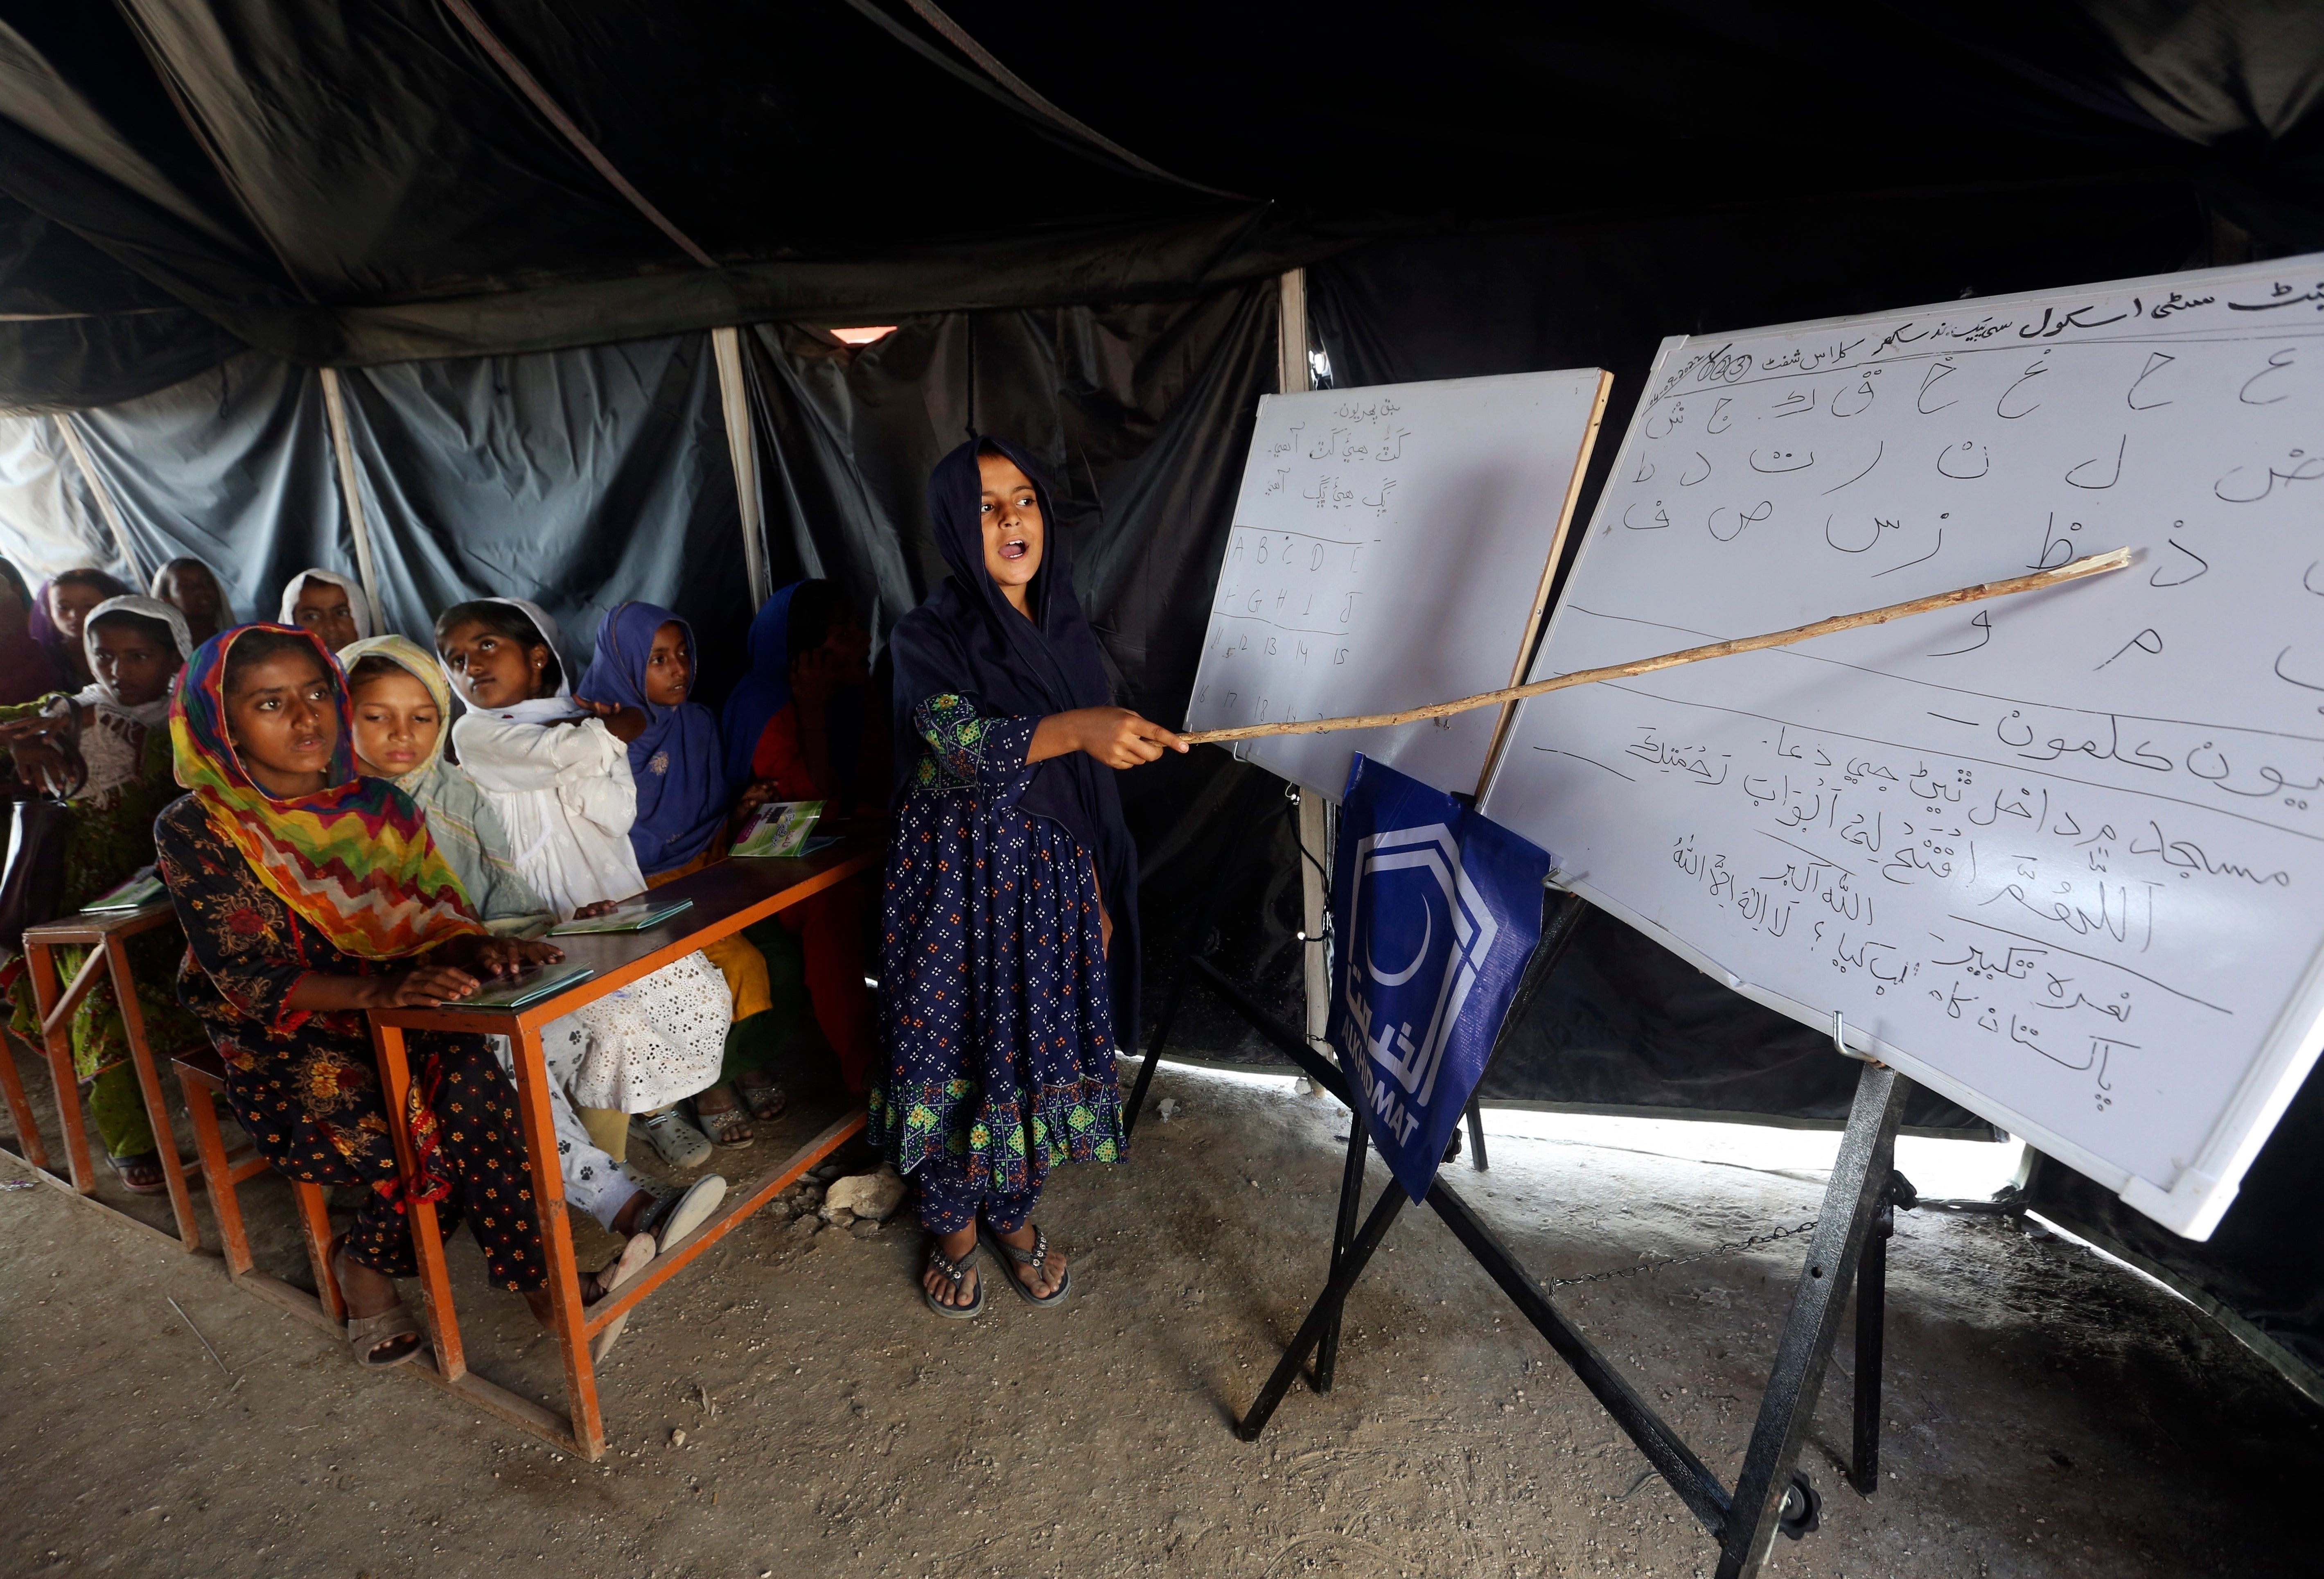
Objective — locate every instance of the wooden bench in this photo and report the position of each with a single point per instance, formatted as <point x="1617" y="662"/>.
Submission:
<point x="202" y="1077"/>
<point x="727" y="898"/>
<point x="103" y="933"/>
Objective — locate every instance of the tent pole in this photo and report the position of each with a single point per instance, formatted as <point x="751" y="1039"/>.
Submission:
<point x="105" y="504"/>
<point x="343" y="450"/>
<point x="1316" y="843"/>
<point x="734" y="400"/>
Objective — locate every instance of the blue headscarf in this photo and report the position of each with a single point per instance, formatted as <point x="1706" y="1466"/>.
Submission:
<point x="763" y="692"/>
<point x="682" y="799"/>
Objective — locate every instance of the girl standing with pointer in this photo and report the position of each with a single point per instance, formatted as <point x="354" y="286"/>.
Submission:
<point x="1009" y="945"/>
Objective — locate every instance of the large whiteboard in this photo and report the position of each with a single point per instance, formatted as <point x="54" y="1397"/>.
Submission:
<point x="2059" y="857"/>
<point x="1392" y="547"/>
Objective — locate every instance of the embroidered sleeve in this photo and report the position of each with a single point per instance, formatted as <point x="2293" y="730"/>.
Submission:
<point x="971" y="749"/>
<point x="237" y="930"/>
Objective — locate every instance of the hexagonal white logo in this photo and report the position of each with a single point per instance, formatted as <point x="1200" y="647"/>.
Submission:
<point x="1411" y="896"/>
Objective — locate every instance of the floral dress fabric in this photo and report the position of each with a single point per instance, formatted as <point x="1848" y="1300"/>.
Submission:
<point x="112" y="838"/>
<point x="305" y="1086"/>
<point x="998" y="1049"/>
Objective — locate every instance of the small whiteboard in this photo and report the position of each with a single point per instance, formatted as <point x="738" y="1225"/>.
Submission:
<point x="1392" y="547"/>
<point x="2061" y="856"/>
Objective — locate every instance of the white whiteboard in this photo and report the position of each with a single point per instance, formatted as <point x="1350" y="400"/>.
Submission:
<point x="1392" y="547"/>
<point x="2059" y="857"/>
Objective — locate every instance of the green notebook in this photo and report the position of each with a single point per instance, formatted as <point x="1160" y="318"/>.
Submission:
<point x="145" y="889"/>
<point x="517" y="992"/>
<point x="780" y="827"/>
<point x="630" y="918"/>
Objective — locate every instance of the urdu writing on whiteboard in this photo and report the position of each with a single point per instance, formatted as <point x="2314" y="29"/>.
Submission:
<point x="1391" y="546"/>
<point x="2058" y="857"/>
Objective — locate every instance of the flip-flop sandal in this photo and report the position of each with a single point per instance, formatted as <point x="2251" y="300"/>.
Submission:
<point x="636" y="1256"/>
<point x="1032" y="1258"/>
<point x="366" y="1334"/>
<point x="152" y="1159"/>
<point x="957" y="1273"/>
<point x="675" y="1215"/>
<point x="766" y="1100"/>
<point x="720" y="1124"/>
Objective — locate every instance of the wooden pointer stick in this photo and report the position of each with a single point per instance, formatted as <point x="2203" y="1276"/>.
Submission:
<point x="2094" y="565"/>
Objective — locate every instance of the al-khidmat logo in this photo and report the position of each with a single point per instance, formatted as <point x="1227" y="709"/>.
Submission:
<point x="1420" y="933"/>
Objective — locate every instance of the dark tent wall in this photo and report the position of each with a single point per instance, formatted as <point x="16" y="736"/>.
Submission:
<point x="234" y="467"/>
<point x="355" y="185"/>
<point x="574" y="480"/>
<point x="1139" y="413"/>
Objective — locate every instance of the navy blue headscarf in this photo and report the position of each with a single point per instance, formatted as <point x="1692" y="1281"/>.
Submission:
<point x="682" y="799"/>
<point x="967" y="639"/>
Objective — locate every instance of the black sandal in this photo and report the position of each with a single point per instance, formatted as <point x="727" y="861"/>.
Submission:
<point x="764" y="1098"/>
<point x="957" y="1273"/>
<point x="1032" y="1258"/>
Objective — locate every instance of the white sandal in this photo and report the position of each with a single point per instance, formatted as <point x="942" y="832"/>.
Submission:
<point x="674" y="1140"/>
<point x="635" y="1256"/>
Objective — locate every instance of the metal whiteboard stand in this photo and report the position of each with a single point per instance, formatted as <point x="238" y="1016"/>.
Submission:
<point x="1850" y="1242"/>
<point x="1192" y="962"/>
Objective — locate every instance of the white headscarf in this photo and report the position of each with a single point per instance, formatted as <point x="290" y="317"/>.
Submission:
<point x="110" y="744"/>
<point x="541" y="709"/>
<point x="96" y="693"/>
<point x="358" y="605"/>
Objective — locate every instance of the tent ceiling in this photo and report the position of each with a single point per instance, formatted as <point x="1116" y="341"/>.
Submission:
<point x="364" y="183"/>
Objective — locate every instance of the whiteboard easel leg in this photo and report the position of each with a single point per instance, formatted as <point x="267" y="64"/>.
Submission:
<point x="1853" y="1201"/>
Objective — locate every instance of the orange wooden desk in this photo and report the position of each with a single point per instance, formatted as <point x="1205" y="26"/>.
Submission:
<point x="726" y="896"/>
<point x="102" y="934"/>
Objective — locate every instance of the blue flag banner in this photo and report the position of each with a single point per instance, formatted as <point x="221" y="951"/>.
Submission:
<point x="1434" y="911"/>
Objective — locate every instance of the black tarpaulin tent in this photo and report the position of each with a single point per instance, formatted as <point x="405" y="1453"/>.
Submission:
<point x="448" y="291"/>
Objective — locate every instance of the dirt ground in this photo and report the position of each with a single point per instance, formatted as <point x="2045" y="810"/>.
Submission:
<point x="2052" y="1413"/>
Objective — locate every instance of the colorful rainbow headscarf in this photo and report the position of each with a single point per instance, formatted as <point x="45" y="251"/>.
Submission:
<point x="354" y="859"/>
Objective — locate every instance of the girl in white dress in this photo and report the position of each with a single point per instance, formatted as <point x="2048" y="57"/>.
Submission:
<point x="559" y="776"/>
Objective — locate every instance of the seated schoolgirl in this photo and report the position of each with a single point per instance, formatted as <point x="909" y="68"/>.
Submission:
<point x="66" y="601"/>
<point x="329" y="604"/>
<point x="309" y="894"/>
<point x="559" y="775"/>
<point x="28" y="669"/>
<point x="105" y="754"/>
<point x="402" y="704"/>
<point x="192" y="589"/>
<point x="807" y="723"/>
<point x="644" y="663"/>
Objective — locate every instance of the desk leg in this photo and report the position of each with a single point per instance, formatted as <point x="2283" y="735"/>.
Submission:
<point x="427" y="1240"/>
<point x="56" y="1041"/>
<point x="20" y="1110"/>
<point x="567" y="1316"/>
<point x="148" y="1081"/>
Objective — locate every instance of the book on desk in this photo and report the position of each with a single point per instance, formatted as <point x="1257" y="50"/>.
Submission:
<point x="634" y="917"/>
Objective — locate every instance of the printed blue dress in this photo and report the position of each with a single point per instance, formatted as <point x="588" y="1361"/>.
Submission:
<point x="996" y="1027"/>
